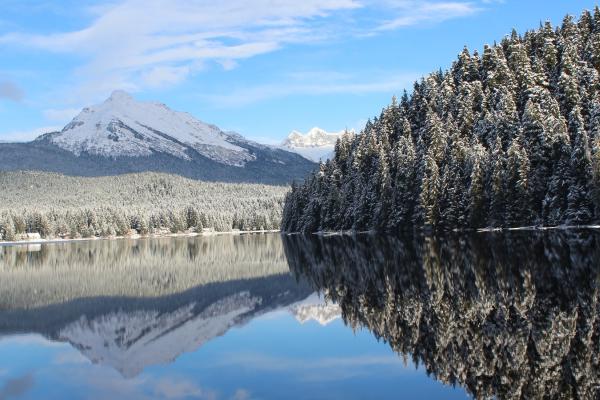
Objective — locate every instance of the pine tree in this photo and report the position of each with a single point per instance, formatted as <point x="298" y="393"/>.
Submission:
<point x="497" y="190"/>
<point x="428" y="200"/>
<point x="579" y="208"/>
<point x="7" y="229"/>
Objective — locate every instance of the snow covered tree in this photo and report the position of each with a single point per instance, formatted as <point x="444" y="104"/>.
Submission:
<point x="508" y="138"/>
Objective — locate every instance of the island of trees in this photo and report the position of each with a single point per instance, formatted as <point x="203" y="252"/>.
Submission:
<point x="504" y="138"/>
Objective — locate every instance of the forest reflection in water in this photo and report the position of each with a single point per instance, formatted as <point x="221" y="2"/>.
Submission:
<point x="504" y="315"/>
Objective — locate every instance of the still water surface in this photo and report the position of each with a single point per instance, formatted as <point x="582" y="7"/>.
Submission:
<point x="303" y="317"/>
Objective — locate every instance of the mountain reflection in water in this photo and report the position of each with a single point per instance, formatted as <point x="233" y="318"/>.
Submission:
<point x="505" y="315"/>
<point x="130" y="304"/>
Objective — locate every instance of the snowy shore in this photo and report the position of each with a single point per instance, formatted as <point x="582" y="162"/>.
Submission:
<point x="133" y="236"/>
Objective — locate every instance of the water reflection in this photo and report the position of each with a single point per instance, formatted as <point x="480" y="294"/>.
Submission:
<point x="504" y="315"/>
<point x="500" y="315"/>
<point x="132" y="304"/>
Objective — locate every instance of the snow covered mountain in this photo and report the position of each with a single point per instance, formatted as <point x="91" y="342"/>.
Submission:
<point x="122" y="126"/>
<point x="317" y="144"/>
<point x="123" y="135"/>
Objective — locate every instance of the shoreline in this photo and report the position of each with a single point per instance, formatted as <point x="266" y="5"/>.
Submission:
<point x="463" y="231"/>
<point x="319" y="233"/>
<point x="132" y="237"/>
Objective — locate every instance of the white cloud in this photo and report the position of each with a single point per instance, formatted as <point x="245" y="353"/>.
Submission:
<point x="410" y="13"/>
<point x="106" y="383"/>
<point x="170" y="388"/>
<point x="70" y="357"/>
<point x="29" y="340"/>
<point x="138" y="44"/>
<point x="161" y="76"/>
<point x="320" y="369"/>
<point x="390" y="83"/>
<point x="241" y="394"/>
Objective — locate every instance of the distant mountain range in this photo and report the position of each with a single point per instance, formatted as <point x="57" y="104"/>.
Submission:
<point x="123" y="135"/>
<point x="315" y="145"/>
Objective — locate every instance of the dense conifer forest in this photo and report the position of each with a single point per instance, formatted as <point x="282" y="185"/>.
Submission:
<point x="58" y="206"/>
<point x="504" y="138"/>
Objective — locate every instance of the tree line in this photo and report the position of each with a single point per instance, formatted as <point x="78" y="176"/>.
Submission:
<point x="58" y="206"/>
<point x="509" y="137"/>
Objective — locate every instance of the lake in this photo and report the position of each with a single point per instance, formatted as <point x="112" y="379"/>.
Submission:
<point x="266" y="316"/>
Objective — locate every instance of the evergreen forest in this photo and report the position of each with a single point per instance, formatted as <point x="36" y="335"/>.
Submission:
<point x="506" y="137"/>
<point x="59" y="206"/>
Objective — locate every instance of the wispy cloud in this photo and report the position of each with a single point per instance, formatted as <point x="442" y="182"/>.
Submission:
<point x="319" y="369"/>
<point x="11" y="91"/>
<point x="172" y="388"/>
<point x="410" y="13"/>
<point x="62" y="115"/>
<point x="140" y="43"/>
<point x="306" y="84"/>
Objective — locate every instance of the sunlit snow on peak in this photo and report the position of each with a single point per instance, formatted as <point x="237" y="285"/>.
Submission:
<point x="122" y="126"/>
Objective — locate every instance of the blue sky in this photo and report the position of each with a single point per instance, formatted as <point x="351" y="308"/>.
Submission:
<point x="259" y="67"/>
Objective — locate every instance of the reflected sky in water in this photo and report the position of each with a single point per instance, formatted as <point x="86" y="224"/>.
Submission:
<point x="208" y="318"/>
<point x="273" y="356"/>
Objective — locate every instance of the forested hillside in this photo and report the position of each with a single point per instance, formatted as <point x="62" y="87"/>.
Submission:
<point x="508" y="137"/>
<point x="61" y="206"/>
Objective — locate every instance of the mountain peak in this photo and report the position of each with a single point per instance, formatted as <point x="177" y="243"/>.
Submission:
<point x="315" y="137"/>
<point x="316" y="309"/>
<point x="121" y="126"/>
<point x="316" y="144"/>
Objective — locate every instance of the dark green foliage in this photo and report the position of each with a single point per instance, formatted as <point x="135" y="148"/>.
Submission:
<point x="503" y="139"/>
